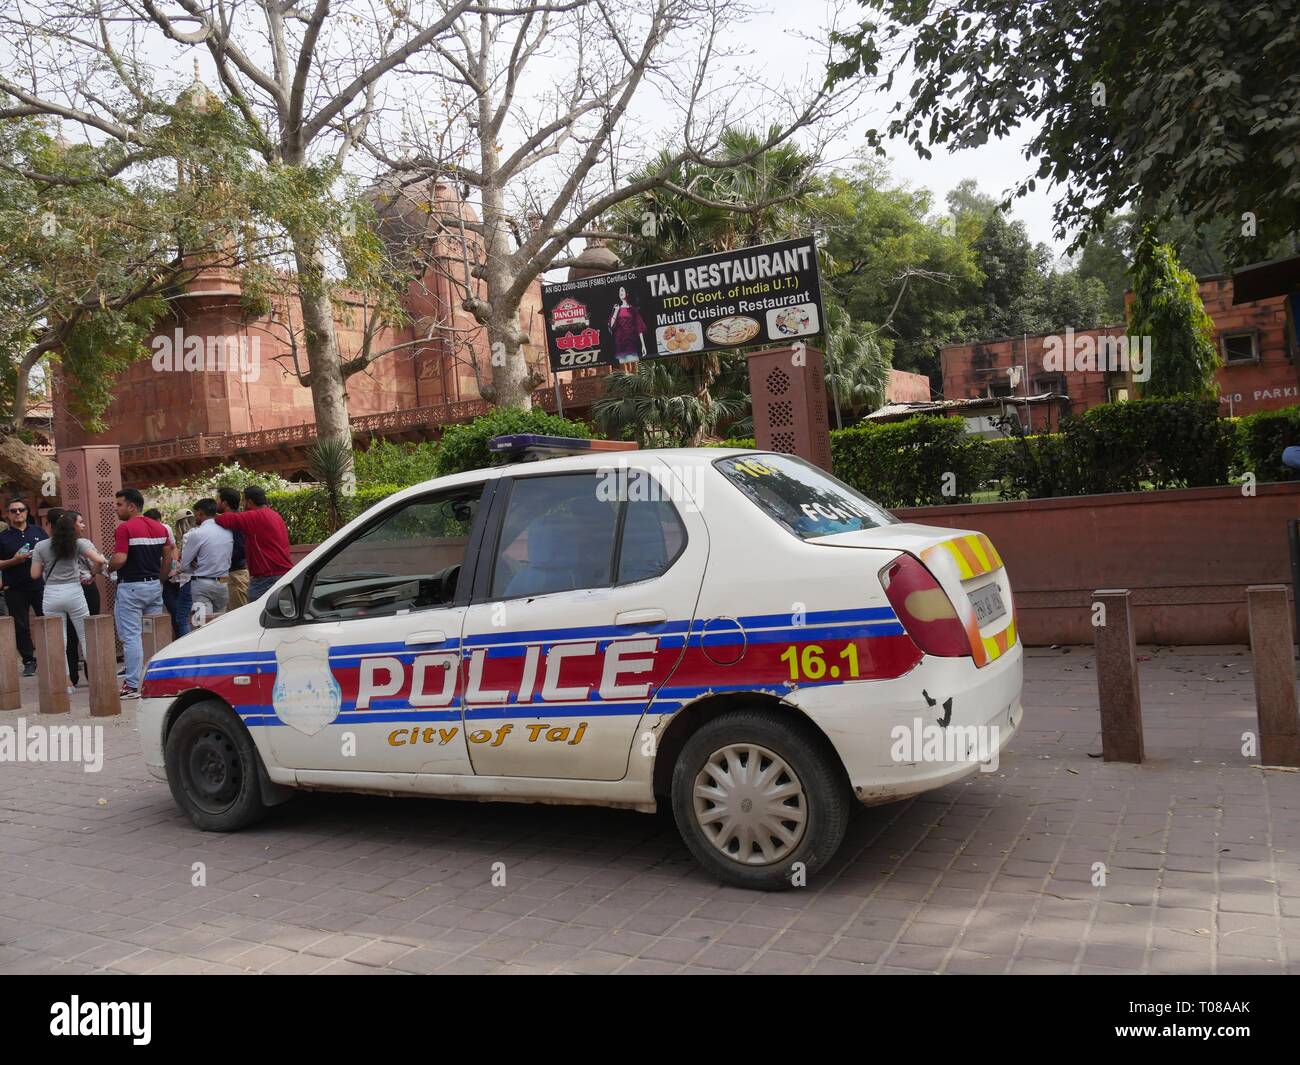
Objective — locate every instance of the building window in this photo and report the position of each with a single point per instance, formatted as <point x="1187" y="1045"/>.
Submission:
<point x="1117" y="394"/>
<point x="1055" y="385"/>
<point x="1240" y="347"/>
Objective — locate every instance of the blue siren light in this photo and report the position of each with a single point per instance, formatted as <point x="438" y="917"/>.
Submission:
<point x="524" y="447"/>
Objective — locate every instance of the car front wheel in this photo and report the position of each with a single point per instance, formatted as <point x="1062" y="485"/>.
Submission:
<point x="212" y="768"/>
<point x="760" y="803"/>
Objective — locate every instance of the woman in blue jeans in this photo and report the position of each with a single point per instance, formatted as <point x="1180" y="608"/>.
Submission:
<point x="57" y="559"/>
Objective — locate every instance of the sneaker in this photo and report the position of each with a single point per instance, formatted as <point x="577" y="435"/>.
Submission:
<point x="122" y="672"/>
<point x="29" y="669"/>
<point x="128" y="692"/>
<point x="72" y="689"/>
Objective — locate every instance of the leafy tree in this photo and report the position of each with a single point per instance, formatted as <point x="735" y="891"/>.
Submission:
<point x="1107" y="258"/>
<point x="893" y="267"/>
<point x="1020" y="291"/>
<point x="1206" y="250"/>
<point x="94" y="238"/>
<point x="1167" y="308"/>
<point x="1209" y="129"/>
<point x="305" y="82"/>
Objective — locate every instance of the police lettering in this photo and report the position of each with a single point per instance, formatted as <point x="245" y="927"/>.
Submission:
<point x="431" y="680"/>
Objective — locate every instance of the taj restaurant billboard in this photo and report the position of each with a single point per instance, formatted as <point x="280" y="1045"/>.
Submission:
<point x="769" y="294"/>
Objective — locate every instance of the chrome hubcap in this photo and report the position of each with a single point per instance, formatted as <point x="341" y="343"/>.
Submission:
<point x="750" y="804"/>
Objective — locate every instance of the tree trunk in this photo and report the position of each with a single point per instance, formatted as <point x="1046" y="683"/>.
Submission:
<point x="512" y="381"/>
<point x="512" y="384"/>
<point x="329" y="396"/>
<point x="24" y="464"/>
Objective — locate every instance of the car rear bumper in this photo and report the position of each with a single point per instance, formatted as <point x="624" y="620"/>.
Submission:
<point x="944" y="721"/>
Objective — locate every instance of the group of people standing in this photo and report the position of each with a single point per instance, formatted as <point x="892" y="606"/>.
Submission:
<point x="219" y="558"/>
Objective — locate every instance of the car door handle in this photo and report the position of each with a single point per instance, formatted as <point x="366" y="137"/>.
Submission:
<point x="422" y="639"/>
<point x="650" y="616"/>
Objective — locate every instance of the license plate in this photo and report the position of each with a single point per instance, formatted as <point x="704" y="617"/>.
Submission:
<point x="988" y="604"/>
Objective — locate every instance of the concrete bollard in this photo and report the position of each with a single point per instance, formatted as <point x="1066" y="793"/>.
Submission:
<point x="1117" y="678"/>
<point x="51" y="664"/>
<point x="1274" y="669"/>
<point x="155" y="634"/>
<point x="101" y="666"/>
<point x="11" y="695"/>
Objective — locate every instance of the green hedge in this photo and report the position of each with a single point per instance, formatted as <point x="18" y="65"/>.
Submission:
<point x="307" y="516"/>
<point x="1163" y="443"/>
<point x="1261" y="439"/>
<point x="920" y="461"/>
<point x="1119" y="447"/>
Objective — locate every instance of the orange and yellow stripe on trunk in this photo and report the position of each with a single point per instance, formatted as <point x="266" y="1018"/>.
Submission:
<point x="1000" y="643"/>
<point x="973" y="553"/>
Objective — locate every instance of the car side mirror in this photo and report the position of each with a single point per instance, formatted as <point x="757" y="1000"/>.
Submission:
<point x="286" y="603"/>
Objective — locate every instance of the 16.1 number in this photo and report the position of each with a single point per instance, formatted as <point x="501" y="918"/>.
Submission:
<point x="811" y="663"/>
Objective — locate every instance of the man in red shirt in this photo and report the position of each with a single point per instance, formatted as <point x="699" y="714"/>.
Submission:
<point x="266" y="541"/>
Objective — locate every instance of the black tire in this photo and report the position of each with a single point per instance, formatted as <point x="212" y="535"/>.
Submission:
<point x="809" y="765"/>
<point x="213" y="768"/>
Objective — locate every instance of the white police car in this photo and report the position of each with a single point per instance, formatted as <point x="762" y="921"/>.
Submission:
<point x="732" y="631"/>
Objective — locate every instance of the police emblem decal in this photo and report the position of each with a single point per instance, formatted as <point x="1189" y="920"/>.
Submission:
<point x="306" y="696"/>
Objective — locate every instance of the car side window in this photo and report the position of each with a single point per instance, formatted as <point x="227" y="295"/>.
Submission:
<point x="653" y="537"/>
<point x="557" y="535"/>
<point x="409" y="560"/>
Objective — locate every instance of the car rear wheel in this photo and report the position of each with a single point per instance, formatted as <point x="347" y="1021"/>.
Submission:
<point x="213" y="768"/>
<point x="758" y="800"/>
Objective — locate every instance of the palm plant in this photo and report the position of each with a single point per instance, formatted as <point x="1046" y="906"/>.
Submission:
<point x="660" y="404"/>
<point x="857" y="364"/>
<point x="329" y="461"/>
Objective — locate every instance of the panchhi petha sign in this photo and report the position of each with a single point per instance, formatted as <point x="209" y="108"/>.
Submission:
<point x="769" y="294"/>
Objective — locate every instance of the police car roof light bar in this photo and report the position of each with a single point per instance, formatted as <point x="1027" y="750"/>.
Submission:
<point x="526" y="447"/>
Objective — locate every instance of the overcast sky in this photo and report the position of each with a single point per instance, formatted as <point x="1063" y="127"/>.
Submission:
<point x="996" y="166"/>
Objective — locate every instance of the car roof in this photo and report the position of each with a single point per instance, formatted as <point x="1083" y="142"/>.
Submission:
<point x="682" y="456"/>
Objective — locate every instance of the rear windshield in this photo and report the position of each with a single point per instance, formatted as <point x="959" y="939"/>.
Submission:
<point x="803" y="498"/>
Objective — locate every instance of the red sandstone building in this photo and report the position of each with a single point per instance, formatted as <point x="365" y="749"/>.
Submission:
<point x="1258" y="371"/>
<point x="173" y="422"/>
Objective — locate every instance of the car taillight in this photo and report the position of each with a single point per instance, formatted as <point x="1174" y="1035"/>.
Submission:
<point x="924" y="608"/>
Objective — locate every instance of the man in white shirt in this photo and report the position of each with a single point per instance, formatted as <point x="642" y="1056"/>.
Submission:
<point x="205" y="557"/>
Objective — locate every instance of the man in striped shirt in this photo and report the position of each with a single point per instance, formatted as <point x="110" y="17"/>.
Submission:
<point x="142" y="553"/>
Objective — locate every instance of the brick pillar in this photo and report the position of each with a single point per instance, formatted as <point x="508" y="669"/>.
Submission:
<point x="51" y="664"/>
<point x="11" y="696"/>
<point x="1117" y="679"/>
<point x="155" y="634"/>
<point x="101" y="666"/>
<point x="788" y="386"/>
<point x="1274" y="669"/>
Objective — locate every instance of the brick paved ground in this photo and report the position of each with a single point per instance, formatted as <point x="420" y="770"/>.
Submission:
<point x="987" y="876"/>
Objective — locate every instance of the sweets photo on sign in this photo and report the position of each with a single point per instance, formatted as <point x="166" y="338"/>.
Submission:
<point x="770" y="293"/>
